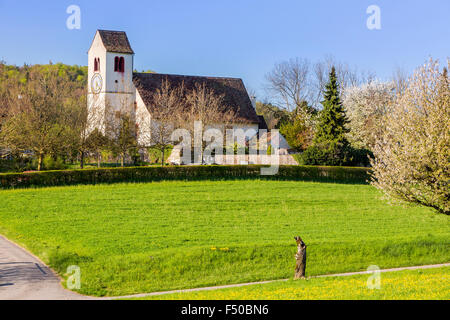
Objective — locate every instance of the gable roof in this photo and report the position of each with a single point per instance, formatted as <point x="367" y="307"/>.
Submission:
<point x="262" y="123"/>
<point x="233" y="89"/>
<point x="115" y="41"/>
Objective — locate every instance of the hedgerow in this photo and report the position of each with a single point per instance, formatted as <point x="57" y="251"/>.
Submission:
<point x="148" y="174"/>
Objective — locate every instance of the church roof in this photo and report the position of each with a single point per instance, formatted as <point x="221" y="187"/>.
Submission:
<point x="233" y="89"/>
<point x="262" y="123"/>
<point x="115" y="41"/>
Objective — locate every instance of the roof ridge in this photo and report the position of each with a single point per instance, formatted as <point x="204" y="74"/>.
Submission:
<point x="185" y="75"/>
<point x="111" y="30"/>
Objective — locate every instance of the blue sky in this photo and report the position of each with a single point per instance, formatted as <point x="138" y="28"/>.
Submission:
<point x="231" y="38"/>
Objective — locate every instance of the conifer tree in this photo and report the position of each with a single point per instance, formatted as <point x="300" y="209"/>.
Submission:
<point x="331" y="129"/>
<point x="330" y="145"/>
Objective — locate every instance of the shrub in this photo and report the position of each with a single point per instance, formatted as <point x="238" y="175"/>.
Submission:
<point x="327" y="155"/>
<point x="335" y="155"/>
<point x="361" y="157"/>
<point x="298" y="132"/>
<point x="54" y="164"/>
<point x="17" y="165"/>
<point x="154" y="155"/>
<point x="148" y="174"/>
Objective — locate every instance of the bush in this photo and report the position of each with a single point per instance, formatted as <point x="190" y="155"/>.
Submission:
<point x="17" y="165"/>
<point x="54" y="164"/>
<point x="361" y="157"/>
<point x="335" y="155"/>
<point x="148" y="174"/>
<point x="154" y="155"/>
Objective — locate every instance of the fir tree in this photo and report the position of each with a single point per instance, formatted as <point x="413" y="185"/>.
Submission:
<point x="330" y="145"/>
<point x="331" y="129"/>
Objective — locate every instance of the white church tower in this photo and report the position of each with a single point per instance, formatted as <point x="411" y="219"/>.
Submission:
<point x="110" y="72"/>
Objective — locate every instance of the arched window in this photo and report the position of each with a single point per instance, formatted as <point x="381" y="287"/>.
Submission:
<point x="116" y="64"/>
<point x="121" y="64"/>
<point x="96" y="64"/>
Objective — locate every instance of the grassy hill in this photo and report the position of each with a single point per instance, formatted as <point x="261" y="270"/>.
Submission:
<point x="134" y="238"/>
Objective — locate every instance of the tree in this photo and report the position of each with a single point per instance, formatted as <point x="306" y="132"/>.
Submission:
<point x="332" y="119"/>
<point x="167" y="104"/>
<point x="36" y="119"/>
<point x="208" y="107"/>
<point x="289" y="83"/>
<point x="400" y="80"/>
<point x="412" y="156"/>
<point x="273" y="115"/>
<point x="346" y="75"/>
<point x="298" y="128"/>
<point x="122" y="136"/>
<point x="366" y="106"/>
<point x="95" y="142"/>
<point x="330" y="145"/>
<point x="77" y="119"/>
<point x="298" y="133"/>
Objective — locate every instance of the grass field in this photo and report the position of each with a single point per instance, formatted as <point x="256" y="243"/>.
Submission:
<point x="134" y="238"/>
<point x="431" y="284"/>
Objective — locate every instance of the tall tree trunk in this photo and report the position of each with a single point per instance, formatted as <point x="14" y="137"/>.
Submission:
<point x="122" y="160"/>
<point x="300" y="257"/>
<point x="98" y="159"/>
<point x="81" y="159"/>
<point x="162" y="157"/>
<point x="40" y="160"/>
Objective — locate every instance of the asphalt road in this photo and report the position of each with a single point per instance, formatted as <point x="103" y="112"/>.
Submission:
<point x="25" y="277"/>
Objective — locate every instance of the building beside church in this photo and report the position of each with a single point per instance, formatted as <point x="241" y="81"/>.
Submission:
<point x="114" y="88"/>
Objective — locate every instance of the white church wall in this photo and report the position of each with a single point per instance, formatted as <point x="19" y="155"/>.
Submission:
<point x="143" y="121"/>
<point x="96" y="102"/>
<point x="119" y="81"/>
<point x="119" y="87"/>
<point x="97" y="50"/>
<point x="96" y="112"/>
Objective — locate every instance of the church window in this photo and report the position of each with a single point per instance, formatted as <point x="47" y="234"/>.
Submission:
<point x="116" y="64"/>
<point x="97" y="64"/>
<point x="121" y="64"/>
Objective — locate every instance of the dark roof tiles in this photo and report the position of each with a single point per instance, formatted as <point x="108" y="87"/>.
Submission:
<point x="233" y="89"/>
<point x="115" y="41"/>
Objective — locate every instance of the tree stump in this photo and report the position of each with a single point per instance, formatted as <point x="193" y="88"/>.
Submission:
<point x="300" y="256"/>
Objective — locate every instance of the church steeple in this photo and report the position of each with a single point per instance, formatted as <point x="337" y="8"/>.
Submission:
<point x="110" y="70"/>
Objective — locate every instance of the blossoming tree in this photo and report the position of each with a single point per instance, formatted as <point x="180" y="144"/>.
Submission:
<point x="412" y="156"/>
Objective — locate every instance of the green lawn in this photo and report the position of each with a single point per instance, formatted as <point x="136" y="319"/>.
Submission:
<point x="134" y="238"/>
<point x="431" y="284"/>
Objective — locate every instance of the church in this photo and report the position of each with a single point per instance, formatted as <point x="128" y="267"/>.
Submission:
<point x="115" y="88"/>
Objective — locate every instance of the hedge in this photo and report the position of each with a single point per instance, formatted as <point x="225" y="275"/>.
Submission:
<point x="148" y="174"/>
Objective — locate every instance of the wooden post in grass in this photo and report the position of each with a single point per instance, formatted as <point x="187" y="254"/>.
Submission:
<point x="300" y="256"/>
